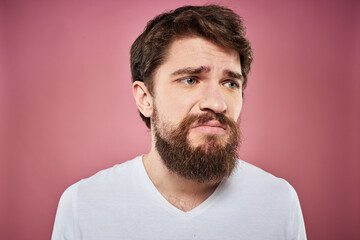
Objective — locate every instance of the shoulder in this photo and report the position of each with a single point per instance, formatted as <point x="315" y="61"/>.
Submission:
<point x="255" y="180"/>
<point x="114" y="173"/>
<point x="104" y="181"/>
<point x="268" y="197"/>
<point x="88" y="193"/>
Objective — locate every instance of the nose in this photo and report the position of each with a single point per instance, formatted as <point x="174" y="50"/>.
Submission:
<point x="212" y="99"/>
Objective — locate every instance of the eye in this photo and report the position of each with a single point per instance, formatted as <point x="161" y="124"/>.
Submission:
<point x="189" y="81"/>
<point x="231" y="84"/>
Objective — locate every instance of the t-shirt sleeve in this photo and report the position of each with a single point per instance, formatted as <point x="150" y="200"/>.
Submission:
<point x="296" y="218"/>
<point x="65" y="226"/>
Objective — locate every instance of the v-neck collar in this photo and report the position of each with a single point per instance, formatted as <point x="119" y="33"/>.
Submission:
<point x="167" y="205"/>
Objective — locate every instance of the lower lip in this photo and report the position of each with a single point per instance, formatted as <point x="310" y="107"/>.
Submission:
<point x="210" y="130"/>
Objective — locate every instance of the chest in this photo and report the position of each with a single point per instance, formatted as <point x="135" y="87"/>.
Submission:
<point x="143" y="219"/>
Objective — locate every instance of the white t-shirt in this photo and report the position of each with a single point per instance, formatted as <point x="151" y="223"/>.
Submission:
<point x="122" y="203"/>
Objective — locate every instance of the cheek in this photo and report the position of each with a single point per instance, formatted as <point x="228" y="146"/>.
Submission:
<point x="173" y="108"/>
<point x="235" y="107"/>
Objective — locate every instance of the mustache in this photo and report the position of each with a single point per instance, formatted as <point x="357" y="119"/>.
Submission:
<point x="190" y="120"/>
<point x="206" y="117"/>
<point x="220" y="117"/>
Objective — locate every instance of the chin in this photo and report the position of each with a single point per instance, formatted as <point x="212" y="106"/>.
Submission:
<point x="209" y="141"/>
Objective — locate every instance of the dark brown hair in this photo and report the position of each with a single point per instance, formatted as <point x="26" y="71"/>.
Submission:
<point x="212" y="22"/>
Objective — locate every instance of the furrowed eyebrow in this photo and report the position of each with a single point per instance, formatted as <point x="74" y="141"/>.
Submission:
<point x="234" y="75"/>
<point x="190" y="70"/>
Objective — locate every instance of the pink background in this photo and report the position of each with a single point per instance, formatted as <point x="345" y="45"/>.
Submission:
<point x="67" y="111"/>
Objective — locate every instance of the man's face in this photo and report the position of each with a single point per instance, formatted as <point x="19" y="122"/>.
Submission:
<point x="197" y="102"/>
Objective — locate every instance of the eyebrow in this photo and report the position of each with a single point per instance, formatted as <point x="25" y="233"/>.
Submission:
<point x="234" y="75"/>
<point x="190" y="70"/>
<point x="205" y="69"/>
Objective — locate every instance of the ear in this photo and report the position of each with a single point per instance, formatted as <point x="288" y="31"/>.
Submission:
<point x="143" y="98"/>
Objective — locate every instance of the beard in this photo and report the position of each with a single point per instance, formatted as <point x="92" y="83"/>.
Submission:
<point x="209" y="162"/>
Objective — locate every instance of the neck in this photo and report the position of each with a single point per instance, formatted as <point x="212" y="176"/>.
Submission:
<point x="183" y="193"/>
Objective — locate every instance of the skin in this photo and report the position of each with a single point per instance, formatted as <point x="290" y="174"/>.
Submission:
<point x="197" y="76"/>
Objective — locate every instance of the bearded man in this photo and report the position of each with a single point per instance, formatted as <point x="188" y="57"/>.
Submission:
<point x="189" y="70"/>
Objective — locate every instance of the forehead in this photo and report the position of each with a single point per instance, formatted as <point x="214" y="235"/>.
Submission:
<point x="193" y="51"/>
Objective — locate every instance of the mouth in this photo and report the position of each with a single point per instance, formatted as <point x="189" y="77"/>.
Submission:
<point x="212" y="127"/>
